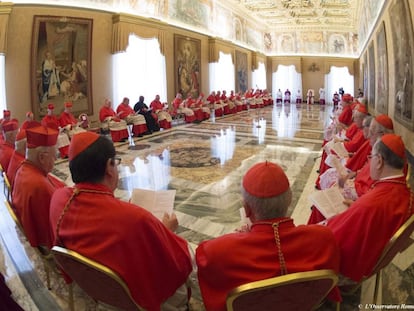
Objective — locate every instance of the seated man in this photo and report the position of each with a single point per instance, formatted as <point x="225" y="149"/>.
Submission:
<point x="126" y="113"/>
<point x="52" y="121"/>
<point x="68" y="122"/>
<point x="32" y="187"/>
<point x="142" y="109"/>
<point x="111" y="121"/>
<point x="287" y="97"/>
<point x="161" y="111"/>
<point x="10" y="129"/>
<point x="19" y="153"/>
<point x="366" y="226"/>
<point x="279" y="97"/>
<point x="356" y="183"/>
<point x="273" y="246"/>
<point x="153" y="261"/>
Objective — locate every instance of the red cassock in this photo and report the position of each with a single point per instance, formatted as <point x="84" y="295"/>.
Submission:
<point x="6" y="151"/>
<point x="32" y="203"/>
<point x="363" y="180"/>
<point x="50" y="121"/>
<point x="238" y="258"/>
<point x="152" y="260"/>
<point x="364" y="229"/>
<point x="356" y="141"/>
<point x="346" y="115"/>
<point x="362" y="184"/>
<point x="357" y="161"/>
<point x="124" y="110"/>
<point x="156" y="105"/>
<point x="67" y="118"/>
<point x="16" y="159"/>
<point x="106" y="112"/>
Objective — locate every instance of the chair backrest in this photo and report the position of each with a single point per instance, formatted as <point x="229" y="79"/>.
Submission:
<point x="13" y="215"/>
<point x="398" y="243"/>
<point x="7" y="187"/>
<point x="295" y="291"/>
<point x="97" y="280"/>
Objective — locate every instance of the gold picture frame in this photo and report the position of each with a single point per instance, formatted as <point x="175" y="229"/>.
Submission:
<point x="187" y="52"/>
<point x="61" y="64"/>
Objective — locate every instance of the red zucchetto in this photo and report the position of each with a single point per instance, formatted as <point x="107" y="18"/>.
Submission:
<point x="395" y="144"/>
<point x="385" y="121"/>
<point x="41" y="136"/>
<point x="80" y="142"/>
<point x="347" y="98"/>
<point x="50" y="106"/>
<point x="265" y="180"/>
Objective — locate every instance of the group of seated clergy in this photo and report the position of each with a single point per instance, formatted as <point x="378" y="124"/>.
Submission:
<point x="142" y="119"/>
<point x="88" y="219"/>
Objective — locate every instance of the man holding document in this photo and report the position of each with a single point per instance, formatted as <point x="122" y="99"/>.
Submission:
<point x="366" y="226"/>
<point x="154" y="262"/>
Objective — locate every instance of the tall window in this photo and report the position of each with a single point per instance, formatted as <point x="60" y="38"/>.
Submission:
<point x="222" y="74"/>
<point x="286" y="77"/>
<point x="3" y="104"/>
<point x="338" y="77"/>
<point x="259" y="77"/>
<point x="139" y="71"/>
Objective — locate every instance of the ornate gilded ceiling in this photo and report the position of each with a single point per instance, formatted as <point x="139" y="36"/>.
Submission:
<point x="274" y="27"/>
<point x="333" y="15"/>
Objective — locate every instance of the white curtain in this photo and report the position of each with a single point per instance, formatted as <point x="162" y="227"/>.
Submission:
<point x="336" y="78"/>
<point x="139" y="71"/>
<point x="3" y="104"/>
<point x="286" y="77"/>
<point x="222" y="76"/>
<point x="259" y="77"/>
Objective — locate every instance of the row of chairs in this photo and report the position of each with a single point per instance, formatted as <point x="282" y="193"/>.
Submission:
<point x="296" y="291"/>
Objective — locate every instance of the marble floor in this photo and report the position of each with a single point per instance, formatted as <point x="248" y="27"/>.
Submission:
<point x="204" y="163"/>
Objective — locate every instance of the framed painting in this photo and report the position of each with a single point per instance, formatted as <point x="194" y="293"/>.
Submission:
<point x="372" y="76"/>
<point x="187" y="53"/>
<point x="61" y="64"/>
<point x="241" y="72"/>
<point x="365" y="77"/>
<point x="403" y="46"/>
<point x="382" y="69"/>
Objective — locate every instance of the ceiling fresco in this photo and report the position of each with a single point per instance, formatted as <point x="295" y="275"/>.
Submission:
<point x="273" y="27"/>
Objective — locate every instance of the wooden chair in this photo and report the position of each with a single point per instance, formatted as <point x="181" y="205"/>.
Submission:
<point x="7" y="187"/>
<point x="399" y="242"/>
<point x="44" y="254"/>
<point x="290" y="292"/>
<point x="98" y="281"/>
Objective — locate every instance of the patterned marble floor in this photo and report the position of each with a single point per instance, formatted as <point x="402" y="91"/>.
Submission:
<point x="204" y="163"/>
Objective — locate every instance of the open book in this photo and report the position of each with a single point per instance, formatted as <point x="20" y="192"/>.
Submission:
<point x="329" y="201"/>
<point x="157" y="202"/>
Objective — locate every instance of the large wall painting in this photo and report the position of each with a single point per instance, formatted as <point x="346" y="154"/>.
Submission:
<point x="382" y="65"/>
<point x="61" y="64"/>
<point x="241" y="72"/>
<point x="187" y="52"/>
<point x="403" y="46"/>
<point x="365" y="77"/>
<point x="372" y="75"/>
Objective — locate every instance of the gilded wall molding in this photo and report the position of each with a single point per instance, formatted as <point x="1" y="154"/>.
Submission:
<point x="5" y="10"/>
<point x="126" y="24"/>
<point x="287" y="61"/>
<point x="216" y="46"/>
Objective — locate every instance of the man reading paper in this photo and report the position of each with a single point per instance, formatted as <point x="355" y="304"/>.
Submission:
<point x="154" y="262"/>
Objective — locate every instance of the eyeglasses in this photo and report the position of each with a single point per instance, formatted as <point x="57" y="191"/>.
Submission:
<point x="116" y="160"/>
<point x="370" y="156"/>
